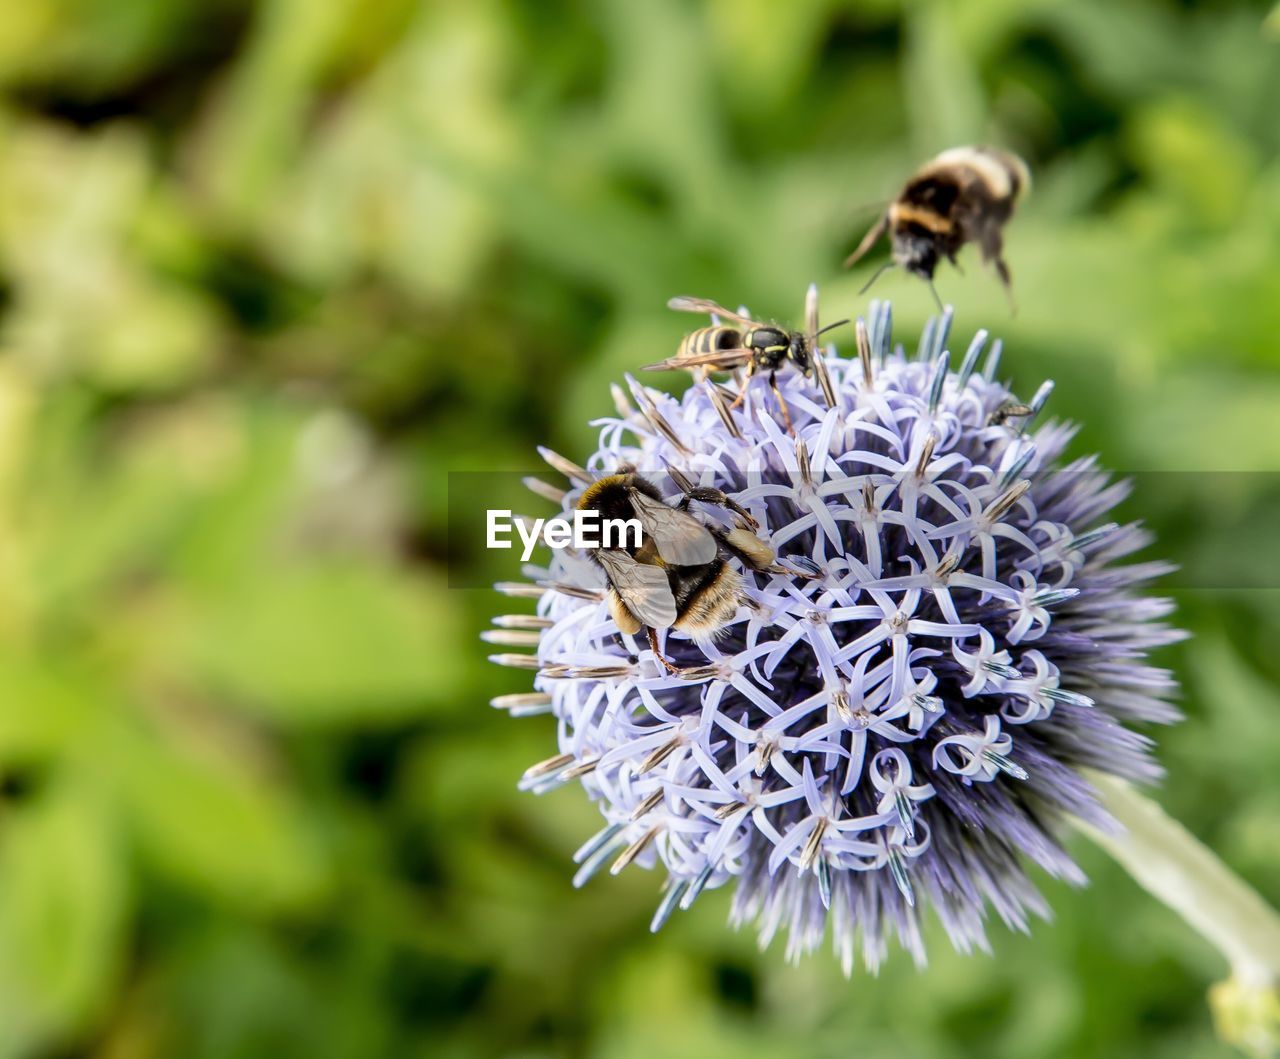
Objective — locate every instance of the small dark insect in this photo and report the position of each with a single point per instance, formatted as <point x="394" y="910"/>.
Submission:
<point x="742" y="342"/>
<point x="678" y="577"/>
<point x="966" y="194"/>
<point x="1009" y="410"/>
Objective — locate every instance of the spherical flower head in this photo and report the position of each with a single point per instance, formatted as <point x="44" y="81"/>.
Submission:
<point x="899" y="714"/>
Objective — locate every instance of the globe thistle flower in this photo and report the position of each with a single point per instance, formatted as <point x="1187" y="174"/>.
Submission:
<point x="899" y="715"/>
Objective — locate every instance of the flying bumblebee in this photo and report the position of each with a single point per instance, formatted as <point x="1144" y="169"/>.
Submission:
<point x="678" y="577"/>
<point x="742" y="343"/>
<point x="964" y="195"/>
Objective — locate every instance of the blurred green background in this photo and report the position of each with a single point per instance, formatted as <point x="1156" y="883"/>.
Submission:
<point x="268" y="271"/>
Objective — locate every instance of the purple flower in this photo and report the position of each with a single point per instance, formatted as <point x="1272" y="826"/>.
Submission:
<point x="903" y="721"/>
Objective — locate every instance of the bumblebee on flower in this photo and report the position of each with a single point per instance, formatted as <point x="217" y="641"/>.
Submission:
<point x="900" y="711"/>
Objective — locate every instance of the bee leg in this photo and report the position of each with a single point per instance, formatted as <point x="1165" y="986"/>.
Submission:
<point x="992" y="245"/>
<point x="1002" y="270"/>
<point x="738" y="400"/>
<point x="934" y="291"/>
<point x="707" y="495"/>
<point x="749" y="549"/>
<point x="670" y="666"/>
<point x="782" y="405"/>
<point x="742" y="390"/>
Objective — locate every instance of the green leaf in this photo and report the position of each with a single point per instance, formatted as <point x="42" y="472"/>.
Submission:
<point x="62" y="915"/>
<point x="336" y="642"/>
<point x="219" y="827"/>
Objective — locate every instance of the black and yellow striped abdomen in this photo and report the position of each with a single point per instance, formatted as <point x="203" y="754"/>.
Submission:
<point x="711" y="339"/>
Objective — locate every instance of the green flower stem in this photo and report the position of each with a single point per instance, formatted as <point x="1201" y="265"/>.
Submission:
<point x="1173" y="865"/>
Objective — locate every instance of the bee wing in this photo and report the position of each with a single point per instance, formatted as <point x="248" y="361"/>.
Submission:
<point x="642" y="587"/>
<point x="681" y="539"/>
<point x="686" y="304"/>
<point x="717" y="360"/>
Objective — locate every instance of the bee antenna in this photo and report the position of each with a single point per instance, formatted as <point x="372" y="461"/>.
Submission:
<point x="876" y="275"/>
<point x="829" y="327"/>
<point x="934" y="291"/>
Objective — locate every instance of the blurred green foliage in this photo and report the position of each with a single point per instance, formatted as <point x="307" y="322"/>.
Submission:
<point x="268" y="271"/>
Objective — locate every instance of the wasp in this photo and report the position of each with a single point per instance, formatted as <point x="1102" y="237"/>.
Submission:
<point x="965" y="194"/>
<point x="678" y="576"/>
<point x="742" y="342"/>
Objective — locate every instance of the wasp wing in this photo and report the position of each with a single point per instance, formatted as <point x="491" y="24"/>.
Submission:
<point x="642" y="587"/>
<point x="681" y="539"/>
<point x="717" y="360"/>
<point x="686" y="304"/>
